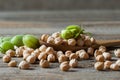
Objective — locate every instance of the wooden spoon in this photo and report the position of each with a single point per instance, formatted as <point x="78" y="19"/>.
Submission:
<point x="107" y="43"/>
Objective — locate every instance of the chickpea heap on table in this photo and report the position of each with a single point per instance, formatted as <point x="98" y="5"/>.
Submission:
<point x="71" y="36"/>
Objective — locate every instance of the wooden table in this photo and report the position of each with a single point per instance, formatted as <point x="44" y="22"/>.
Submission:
<point x="85" y="71"/>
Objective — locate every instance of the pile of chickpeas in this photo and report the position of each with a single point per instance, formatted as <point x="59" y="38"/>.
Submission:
<point x="68" y="59"/>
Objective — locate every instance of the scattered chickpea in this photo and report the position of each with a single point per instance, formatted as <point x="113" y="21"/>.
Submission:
<point x="102" y="49"/>
<point x="56" y="34"/>
<point x="58" y="41"/>
<point x="99" y="66"/>
<point x="10" y="53"/>
<point x="72" y="42"/>
<point x="80" y="42"/>
<point x="12" y="63"/>
<point x="73" y="56"/>
<point x="44" y="37"/>
<point x="42" y="48"/>
<point x="79" y="51"/>
<point x="62" y="58"/>
<point x="26" y="52"/>
<point x="51" y="58"/>
<point x="49" y="50"/>
<point x="73" y="63"/>
<point x="19" y="52"/>
<point x="117" y="53"/>
<point x="59" y="53"/>
<point x="35" y="53"/>
<point x="23" y="65"/>
<point x="87" y="42"/>
<point x="92" y="40"/>
<point x="43" y="56"/>
<point x="84" y="55"/>
<point x="64" y="66"/>
<point x="6" y="58"/>
<point x="114" y="67"/>
<point x="100" y="58"/>
<point x="50" y="40"/>
<point x="90" y="51"/>
<point x="107" y="55"/>
<point x="31" y="59"/>
<point x="97" y="52"/>
<point x="44" y="63"/>
<point x="118" y="62"/>
<point x="107" y="64"/>
<point x="68" y="53"/>
<point x="25" y="56"/>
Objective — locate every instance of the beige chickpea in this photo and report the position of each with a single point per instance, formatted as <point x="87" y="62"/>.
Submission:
<point x="80" y="42"/>
<point x="23" y="65"/>
<point x="49" y="50"/>
<point x="19" y="52"/>
<point x="107" y="64"/>
<point x="73" y="63"/>
<point x="92" y="40"/>
<point x="44" y="37"/>
<point x="82" y="36"/>
<point x="51" y="58"/>
<point x="6" y="58"/>
<point x="107" y="55"/>
<point x="31" y="59"/>
<point x="90" y="51"/>
<point x="83" y="55"/>
<point x="68" y="53"/>
<point x="97" y="52"/>
<point x="56" y="34"/>
<point x="44" y="63"/>
<point x="10" y="53"/>
<point x="64" y="66"/>
<point x="35" y="53"/>
<point x="102" y="49"/>
<point x="87" y="41"/>
<point x="50" y="40"/>
<point x="99" y="66"/>
<point x="73" y="56"/>
<point x="62" y="58"/>
<point x="42" y="48"/>
<point x="59" y="53"/>
<point x="30" y="50"/>
<point x="118" y="62"/>
<point x="100" y="58"/>
<point x="12" y="63"/>
<point x="58" y="41"/>
<point x="72" y="42"/>
<point x="79" y="51"/>
<point x="42" y="55"/>
<point x="114" y="67"/>
<point x="25" y="56"/>
<point x="117" y="53"/>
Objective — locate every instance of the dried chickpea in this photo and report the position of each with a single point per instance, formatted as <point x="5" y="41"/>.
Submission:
<point x="19" y="52"/>
<point x="35" y="53"/>
<point x="114" y="67"/>
<point x="62" y="58"/>
<point x="25" y="56"/>
<point x="23" y="65"/>
<point x="6" y="58"/>
<point x="83" y="55"/>
<point x="59" y="53"/>
<point x="100" y="58"/>
<point x="12" y="63"/>
<point x="90" y="51"/>
<point x="56" y="34"/>
<point x="44" y="63"/>
<point x="73" y="63"/>
<point x="107" y="55"/>
<point x="68" y="53"/>
<point x="10" y="53"/>
<point x="50" y="40"/>
<point x="31" y="59"/>
<point x="107" y="64"/>
<point x="117" y="53"/>
<point x="49" y="50"/>
<point x="80" y="42"/>
<point x="87" y="41"/>
<point x="30" y="50"/>
<point x="79" y="51"/>
<point x="44" y="37"/>
<point x="72" y="42"/>
<point x="102" y="49"/>
<point x="43" y="56"/>
<point x="73" y="56"/>
<point x="118" y="62"/>
<point x="99" y="66"/>
<point x="42" y="48"/>
<point x="58" y="41"/>
<point x="64" y="66"/>
<point x="97" y="52"/>
<point x="92" y="40"/>
<point x="26" y="52"/>
<point x="51" y="58"/>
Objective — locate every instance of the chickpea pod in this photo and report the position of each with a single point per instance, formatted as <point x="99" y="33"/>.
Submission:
<point x="107" y="64"/>
<point x="44" y="37"/>
<point x="10" y="53"/>
<point x="100" y="58"/>
<point x="6" y="58"/>
<point x="72" y="42"/>
<point x="51" y="58"/>
<point x="117" y="53"/>
<point x="102" y="49"/>
<point x="99" y="66"/>
<point x="23" y="65"/>
<point x="31" y="59"/>
<point x="107" y="55"/>
<point x="114" y="67"/>
<point x="73" y="63"/>
<point x="64" y="66"/>
<point x="12" y="63"/>
<point x="44" y="63"/>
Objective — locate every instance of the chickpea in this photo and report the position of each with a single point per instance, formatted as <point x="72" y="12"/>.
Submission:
<point x="59" y="53"/>
<point x="51" y="58"/>
<point x="90" y="51"/>
<point x="19" y="52"/>
<point x="62" y="58"/>
<point x="42" y="48"/>
<point x="68" y="53"/>
<point x="92" y="40"/>
<point x="84" y="55"/>
<point x="107" y="64"/>
<point x="6" y="58"/>
<point x="107" y="55"/>
<point x="102" y="49"/>
<point x="117" y="53"/>
<point x="35" y="53"/>
<point x="72" y="42"/>
<point x="44" y="63"/>
<point x="80" y="42"/>
<point x="118" y="62"/>
<point x="43" y="56"/>
<point x="56" y="34"/>
<point x="50" y="40"/>
<point x="64" y="66"/>
<point x="10" y="53"/>
<point x="99" y="66"/>
<point x="30" y="50"/>
<point x="100" y="58"/>
<point x="97" y="52"/>
<point x="31" y="59"/>
<point x="82" y="36"/>
<point x="12" y="63"/>
<point x="73" y="63"/>
<point x="44" y="37"/>
<point x="114" y="67"/>
<point x="58" y="41"/>
<point x="87" y="41"/>
<point x="73" y="56"/>
<point x="25" y="56"/>
<point x="49" y="50"/>
<point x="79" y="51"/>
<point x="23" y="65"/>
